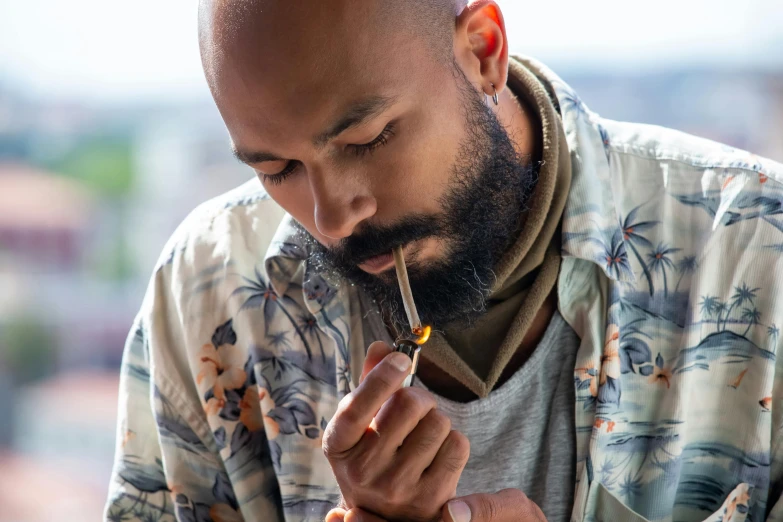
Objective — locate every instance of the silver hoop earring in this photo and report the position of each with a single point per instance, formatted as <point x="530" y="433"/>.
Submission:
<point x="495" y="96"/>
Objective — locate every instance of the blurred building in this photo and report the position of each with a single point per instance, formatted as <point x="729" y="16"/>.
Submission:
<point x="61" y="463"/>
<point x="45" y="221"/>
<point x="49" y="227"/>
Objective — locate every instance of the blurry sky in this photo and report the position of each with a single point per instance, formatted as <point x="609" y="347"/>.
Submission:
<point x="111" y="49"/>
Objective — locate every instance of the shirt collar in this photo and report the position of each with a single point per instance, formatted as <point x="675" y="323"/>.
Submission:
<point x="590" y="228"/>
<point x="285" y="255"/>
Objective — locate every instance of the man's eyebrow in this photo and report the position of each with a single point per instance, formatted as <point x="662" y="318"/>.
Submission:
<point x="356" y="115"/>
<point x="253" y="157"/>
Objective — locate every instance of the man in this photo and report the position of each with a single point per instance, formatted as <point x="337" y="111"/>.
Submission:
<point x="604" y="295"/>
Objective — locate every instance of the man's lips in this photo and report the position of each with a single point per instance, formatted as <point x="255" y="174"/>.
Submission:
<point x="378" y="264"/>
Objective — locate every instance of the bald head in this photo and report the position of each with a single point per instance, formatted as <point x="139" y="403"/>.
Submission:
<point x="226" y="24"/>
<point x="350" y="111"/>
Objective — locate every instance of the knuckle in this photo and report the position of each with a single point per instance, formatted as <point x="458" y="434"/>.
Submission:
<point x="406" y="402"/>
<point x="459" y="445"/>
<point x="433" y="428"/>
<point x="330" y="444"/>
<point x="327" y="444"/>
<point x="427" y="399"/>
<point x="343" y="415"/>
<point x="440" y="421"/>
<point x="453" y="464"/>
<point x="347" y="412"/>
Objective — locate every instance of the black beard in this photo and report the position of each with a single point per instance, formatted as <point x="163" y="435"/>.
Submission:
<point x="482" y="209"/>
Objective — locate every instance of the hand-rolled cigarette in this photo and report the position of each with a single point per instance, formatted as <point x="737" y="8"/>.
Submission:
<point x="405" y="290"/>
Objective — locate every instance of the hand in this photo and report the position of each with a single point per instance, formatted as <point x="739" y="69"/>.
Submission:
<point x="354" y="515"/>
<point x="509" y="505"/>
<point x="392" y="452"/>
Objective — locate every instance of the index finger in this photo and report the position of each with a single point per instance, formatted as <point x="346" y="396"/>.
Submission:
<point x="375" y="354"/>
<point x="356" y="411"/>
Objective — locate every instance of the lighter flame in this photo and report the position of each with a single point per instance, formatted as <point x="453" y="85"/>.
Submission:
<point x="423" y="333"/>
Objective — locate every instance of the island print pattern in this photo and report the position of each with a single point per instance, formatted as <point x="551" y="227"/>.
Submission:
<point x="671" y="275"/>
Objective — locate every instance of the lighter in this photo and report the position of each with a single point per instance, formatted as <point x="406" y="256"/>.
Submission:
<point x="409" y="347"/>
<point x="412" y="350"/>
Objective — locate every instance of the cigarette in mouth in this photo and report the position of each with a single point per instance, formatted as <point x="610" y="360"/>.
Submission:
<point x="411" y="348"/>
<point x="405" y="290"/>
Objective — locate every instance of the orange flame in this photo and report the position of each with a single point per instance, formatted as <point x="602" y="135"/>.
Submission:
<point x="423" y="333"/>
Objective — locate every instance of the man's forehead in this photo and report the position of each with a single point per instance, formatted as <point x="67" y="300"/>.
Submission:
<point x="310" y="73"/>
<point x="310" y="32"/>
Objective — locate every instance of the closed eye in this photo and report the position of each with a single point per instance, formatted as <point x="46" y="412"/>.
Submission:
<point x="382" y="139"/>
<point x="360" y="150"/>
<point x="276" y="179"/>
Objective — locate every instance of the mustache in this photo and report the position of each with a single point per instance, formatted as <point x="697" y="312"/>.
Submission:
<point x="375" y="240"/>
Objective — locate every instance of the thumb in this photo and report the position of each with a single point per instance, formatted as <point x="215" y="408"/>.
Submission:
<point x="335" y="515"/>
<point x="509" y="505"/>
<point x="375" y="354"/>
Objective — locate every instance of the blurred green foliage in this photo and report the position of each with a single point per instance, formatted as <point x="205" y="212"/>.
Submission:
<point x="115" y="260"/>
<point x="27" y="349"/>
<point x="104" y="163"/>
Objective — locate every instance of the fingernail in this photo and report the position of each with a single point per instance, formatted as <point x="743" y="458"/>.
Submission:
<point x="459" y="511"/>
<point x="400" y="361"/>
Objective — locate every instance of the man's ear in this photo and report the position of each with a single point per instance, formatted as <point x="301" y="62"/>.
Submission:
<point x="481" y="46"/>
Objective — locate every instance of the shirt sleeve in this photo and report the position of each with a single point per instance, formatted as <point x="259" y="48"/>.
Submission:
<point x="168" y="465"/>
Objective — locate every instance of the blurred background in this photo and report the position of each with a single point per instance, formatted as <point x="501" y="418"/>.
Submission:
<point x="108" y="137"/>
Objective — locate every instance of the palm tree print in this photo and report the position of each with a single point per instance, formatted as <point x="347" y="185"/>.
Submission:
<point x="709" y="305"/>
<point x="262" y="295"/>
<point x="632" y="235"/>
<point x="279" y="340"/>
<point x="773" y="332"/>
<point x="742" y="294"/>
<point x="752" y="316"/>
<point x="660" y="260"/>
<point x="721" y="308"/>
<point x="310" y="326"/>
<point x="630" y="487"/>
<point x="615" y="256"/>
<point x="687" y="265"/>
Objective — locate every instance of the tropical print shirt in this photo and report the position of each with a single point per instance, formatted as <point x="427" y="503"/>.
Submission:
<point x="672" y="276"/>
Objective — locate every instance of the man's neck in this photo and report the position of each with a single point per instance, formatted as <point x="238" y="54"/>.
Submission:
<point x="520" y="121"/>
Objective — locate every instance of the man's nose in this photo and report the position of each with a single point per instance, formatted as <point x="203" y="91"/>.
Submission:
<point x="341" y="203"/>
